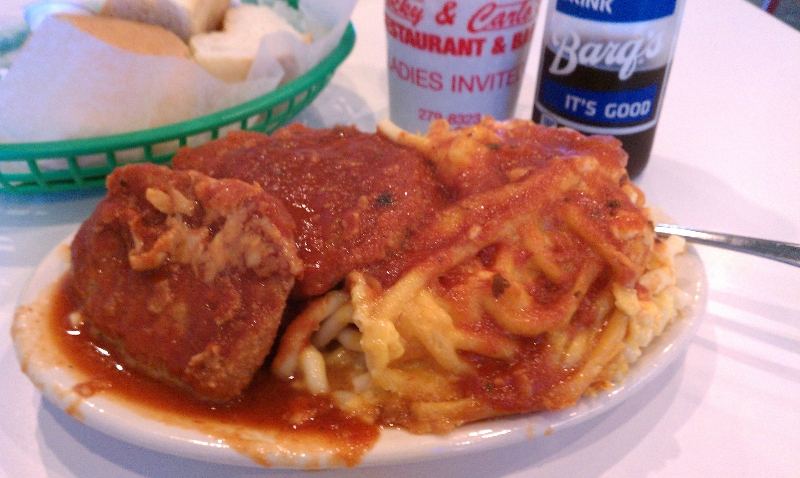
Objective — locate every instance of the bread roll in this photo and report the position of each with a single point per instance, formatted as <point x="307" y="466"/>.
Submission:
<point x="229" y="54"/>
<point x="132" y="36"/>
<point x="183" y="17"/>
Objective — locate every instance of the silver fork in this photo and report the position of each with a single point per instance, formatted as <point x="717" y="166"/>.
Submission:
<point x="785" y="252"/>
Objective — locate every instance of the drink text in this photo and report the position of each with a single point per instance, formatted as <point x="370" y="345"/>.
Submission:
<point x="570" y="53"/>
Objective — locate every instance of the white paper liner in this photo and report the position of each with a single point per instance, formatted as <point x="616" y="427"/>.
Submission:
<point x="66" y="84"/>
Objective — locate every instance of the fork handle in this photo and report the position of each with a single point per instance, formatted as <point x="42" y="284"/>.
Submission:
<point x="785" y="252"/>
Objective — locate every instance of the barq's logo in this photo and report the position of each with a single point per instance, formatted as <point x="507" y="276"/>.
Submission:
<point x="494" y="16"/>
<point x="626" y="55"/>
<point x="410" y="10"/>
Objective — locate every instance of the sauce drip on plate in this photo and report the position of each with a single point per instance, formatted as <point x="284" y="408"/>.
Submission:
<point x="271" y="418"/>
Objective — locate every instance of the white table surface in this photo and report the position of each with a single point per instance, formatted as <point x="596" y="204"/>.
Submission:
<point x="726" y="158"/>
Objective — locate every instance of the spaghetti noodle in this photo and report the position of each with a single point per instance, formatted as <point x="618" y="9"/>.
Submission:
<point x="538" y="284"/>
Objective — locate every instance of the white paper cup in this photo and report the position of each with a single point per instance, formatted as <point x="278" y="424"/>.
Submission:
<point x="456" y="59"/>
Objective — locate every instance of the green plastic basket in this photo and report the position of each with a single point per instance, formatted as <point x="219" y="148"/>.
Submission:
<point x="57" y="166"/>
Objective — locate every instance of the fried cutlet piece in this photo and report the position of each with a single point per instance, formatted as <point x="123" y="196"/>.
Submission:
<point x="185" y="277"/>
<point x="354" y="196"/>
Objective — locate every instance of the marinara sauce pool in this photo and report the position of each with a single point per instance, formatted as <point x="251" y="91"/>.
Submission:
<point x="269" y="405"/>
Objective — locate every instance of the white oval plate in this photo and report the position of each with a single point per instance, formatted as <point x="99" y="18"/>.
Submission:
<point x="394" y="446"/>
